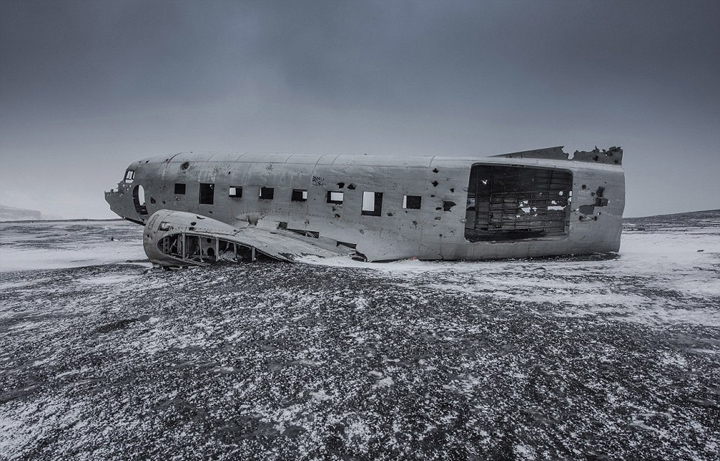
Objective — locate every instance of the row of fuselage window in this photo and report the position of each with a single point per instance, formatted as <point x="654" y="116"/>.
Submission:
<point x="371" y="205"/>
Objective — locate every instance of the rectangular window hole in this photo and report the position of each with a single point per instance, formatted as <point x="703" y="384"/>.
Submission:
<point x="412" y="202"/>
<point x="372" y="204"/>
<point x="207" y="193"/>
<point x="129" y="176"/>
<point x="179" y="189"/>
<point x="235" y="191"/>
<point x="335" y="197"/>
<point x="267" y="193"/>
<point x="299" y="195"/>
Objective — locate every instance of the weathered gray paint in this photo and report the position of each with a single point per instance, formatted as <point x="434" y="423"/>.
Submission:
<point x="427" y="233"/>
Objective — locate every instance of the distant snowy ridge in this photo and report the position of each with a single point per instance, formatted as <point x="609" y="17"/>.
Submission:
<point x="8" y="213"/>
<point x="705" y="218"/>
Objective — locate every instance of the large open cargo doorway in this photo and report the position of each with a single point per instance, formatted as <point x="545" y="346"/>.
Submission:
<point x="517" y="202"/>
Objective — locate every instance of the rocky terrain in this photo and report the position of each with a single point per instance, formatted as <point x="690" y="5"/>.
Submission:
<point x="596" y="357"/>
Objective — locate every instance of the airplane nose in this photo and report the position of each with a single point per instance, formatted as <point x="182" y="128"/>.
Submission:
<point x="123" y="203"/>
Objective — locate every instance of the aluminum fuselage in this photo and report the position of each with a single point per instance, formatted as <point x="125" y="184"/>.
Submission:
<point x="434" y="231"/>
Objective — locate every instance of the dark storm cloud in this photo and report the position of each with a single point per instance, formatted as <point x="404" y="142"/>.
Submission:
<point x="504" y="52"/>
<point x="403" y="54"/>
<point x="83" y="54"/>
<point x="84" y="83"/>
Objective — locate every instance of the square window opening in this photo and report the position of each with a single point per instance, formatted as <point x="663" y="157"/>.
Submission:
<point x="207" y="193"/>
<point x="267" y="193"/>
<point x="129" y="175"/>
<point x="299" y="195"/>
<point x="179" y="189"/>
<point x="412" y="202"/>
<point x="372" y="203"/>
<point x="335" y="197"/>
<point x="235" y="191"/>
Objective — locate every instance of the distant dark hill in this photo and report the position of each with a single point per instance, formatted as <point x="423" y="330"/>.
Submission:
<point x="707" y="218"/>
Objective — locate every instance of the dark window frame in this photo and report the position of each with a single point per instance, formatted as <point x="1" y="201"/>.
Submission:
<point x="377" y="204"/>
<point x="266" y="193"/>
<point x="335" y="201"/>
<point x="299" y="195"/>
<point x="412" y="202"/>
<point x="207" y="193"/>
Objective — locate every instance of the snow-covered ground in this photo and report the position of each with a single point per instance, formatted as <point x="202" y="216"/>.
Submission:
<point x="601" y="357"/>
<point x="53" y="245"/>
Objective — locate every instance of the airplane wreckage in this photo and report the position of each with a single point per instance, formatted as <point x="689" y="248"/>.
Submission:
<point x="202" y="209"/>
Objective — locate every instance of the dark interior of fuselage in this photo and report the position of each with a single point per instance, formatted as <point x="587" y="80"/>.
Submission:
<point x="204" y="249"/>
<point x="517" y="202"/>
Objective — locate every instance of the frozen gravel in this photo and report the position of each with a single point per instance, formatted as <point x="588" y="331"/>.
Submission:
<point x="599" y="357"/>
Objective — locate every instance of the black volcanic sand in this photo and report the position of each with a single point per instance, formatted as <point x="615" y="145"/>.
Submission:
<point x="280" y="361"/>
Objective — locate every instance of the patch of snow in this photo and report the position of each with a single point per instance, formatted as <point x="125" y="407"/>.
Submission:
<point x="320" y="396"/>
<point x="109" y="279"/>
<point x="385" y="382"/>
<point x="38" y="246"/>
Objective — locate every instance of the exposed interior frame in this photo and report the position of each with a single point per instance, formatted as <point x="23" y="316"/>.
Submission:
<point x="508" y="202"/>
<point x="204" y="249"/>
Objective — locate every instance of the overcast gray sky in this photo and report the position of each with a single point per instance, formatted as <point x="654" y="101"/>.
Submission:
<point x="86" y="87"/>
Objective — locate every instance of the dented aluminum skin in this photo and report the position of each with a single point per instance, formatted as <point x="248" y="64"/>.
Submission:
<point x="430" y="208"/>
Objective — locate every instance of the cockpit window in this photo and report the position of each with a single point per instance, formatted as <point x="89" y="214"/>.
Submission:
<point x="129" y="175"/>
